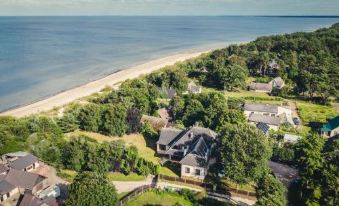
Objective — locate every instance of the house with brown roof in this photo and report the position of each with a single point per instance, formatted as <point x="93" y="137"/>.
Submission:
<point x="191" y="148"/>
<point x="260" y="87"/>
<point x="31" y="200"/>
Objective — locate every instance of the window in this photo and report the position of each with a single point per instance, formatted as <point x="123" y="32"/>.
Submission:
<point x="272" y="115"/>
<point x="162" y="147"/>
<point x="266" y="114"/>
<point x="197" y="172"/>
<point x="187" y="170"/>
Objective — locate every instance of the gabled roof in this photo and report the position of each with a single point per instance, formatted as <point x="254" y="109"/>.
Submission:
<point x="5" y="187"/>
<point x="31" y="200"/>
<point x="189" y="135"/>
<point x="261" y="107"/>
<point x="279" y="82"/>
<point x="167" y="135"/>
<point x="264" y="119"/>
<point x="331" y="125"/>
<point x="261" y="86"/>
<point x="263" y="127"/>
<point x="23" y="162"/>
<point x="23" y="179"/>
<point x="194" y="160"/>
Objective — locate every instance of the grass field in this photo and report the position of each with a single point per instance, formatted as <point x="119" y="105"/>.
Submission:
<point x="158" y="198"/>
<point x="116" y="176"/>
<point x="67" y="175"/>
<point x="315" y="113"/>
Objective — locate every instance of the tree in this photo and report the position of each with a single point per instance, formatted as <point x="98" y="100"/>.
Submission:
<point x="114" y="119"/>
<point x="68" y="122"/>
<point x="230" y="77"/>
<point x="89" y="117"/>
<point x="244" y="152"/>
<point x="90" y="188"/>
<point x="270" y="191"/>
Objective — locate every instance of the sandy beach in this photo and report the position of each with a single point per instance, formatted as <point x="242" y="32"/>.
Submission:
<point x="112" y="80"/>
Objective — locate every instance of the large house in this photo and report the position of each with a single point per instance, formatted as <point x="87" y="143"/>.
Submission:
<point x="271" y="115"/>
<point x="15" y="178"/>
<point x="331" y="128"/>
<point x="191" y="148"/>
<point x="277" y="84"/>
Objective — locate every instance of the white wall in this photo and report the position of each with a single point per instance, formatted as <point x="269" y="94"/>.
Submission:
<point x="192" y="172"/>
<point x="13" y="192"/>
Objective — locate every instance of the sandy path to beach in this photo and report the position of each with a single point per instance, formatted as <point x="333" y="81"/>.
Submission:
<point x="95" y="86"/>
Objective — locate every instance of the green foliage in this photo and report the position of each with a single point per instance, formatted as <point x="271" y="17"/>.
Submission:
<point x="148" y="131"/>
<point x="89" y="188"/>
<point x="230" y="77"/>
<point x="244" y="152"/>
<point x="318" y="169"/>
<point x="114" y="119"/>
<point x="68" y="122"/>
<point x="89" y="117"/>
<point x="270" y="191"/>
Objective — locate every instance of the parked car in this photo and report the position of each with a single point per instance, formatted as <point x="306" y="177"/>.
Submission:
<point x="296" y="120"/>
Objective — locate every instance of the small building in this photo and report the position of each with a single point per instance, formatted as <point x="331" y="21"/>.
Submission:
<point x="260" y="87"/>
<point x="156" y="122"/>
<point x="25" y="163"/>
<point x="52" y="190"/>
<point x="291" y="139"/>
<point x="191" y="148"/>
<point x="6" y="189"/>
<point x="193" y="88"/>
<point x="277" y="83"/>
<point x="331" y="128"/>
<point x="273" y="68"/>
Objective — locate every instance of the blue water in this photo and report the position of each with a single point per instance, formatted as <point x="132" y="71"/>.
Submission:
<point x="41" y="56"/>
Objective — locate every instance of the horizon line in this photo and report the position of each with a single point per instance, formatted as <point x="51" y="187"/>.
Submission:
<point x="103" y="15"/>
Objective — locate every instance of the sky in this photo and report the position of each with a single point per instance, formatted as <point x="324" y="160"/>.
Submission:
<point x="167" y="7"/>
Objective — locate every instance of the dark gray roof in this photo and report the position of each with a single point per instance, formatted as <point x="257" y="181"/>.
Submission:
<point x="264" y="119"/>
<point x="167" y="135"/>
<point x="30" y="200"/>
<point x="190" y="134"/>
<point x="5" y="187"/>
<point x="3" y="168"/>
<point x="263" y="127"/>
<point x="23" y="179"/>
<point x="197" y="155"/>
<point x="261" y="107"/>
<point x="23" y="162"/>
<point x="194" y="160"/>
<point x="261" y="86"/>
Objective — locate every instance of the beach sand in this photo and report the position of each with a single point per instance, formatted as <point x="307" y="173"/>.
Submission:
<point x="112" y="80"/>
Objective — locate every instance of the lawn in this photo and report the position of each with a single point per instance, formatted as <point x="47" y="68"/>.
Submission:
<point x="67" y="175"/>
<point x="309" y="112"/>
<point x="117" y="176"/>
<point x="158" y="198"/>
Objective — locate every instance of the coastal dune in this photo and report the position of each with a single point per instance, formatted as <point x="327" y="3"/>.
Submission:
<point x="112" y="80"/>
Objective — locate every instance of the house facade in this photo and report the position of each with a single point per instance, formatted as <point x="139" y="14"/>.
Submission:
<point x="191" y="148"/>
<point x="331" y="128"/>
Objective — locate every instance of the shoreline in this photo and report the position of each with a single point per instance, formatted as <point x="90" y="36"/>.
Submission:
<point x="113" y="80"/>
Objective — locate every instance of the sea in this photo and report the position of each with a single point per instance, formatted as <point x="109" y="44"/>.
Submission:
<point x="42" y="56"/>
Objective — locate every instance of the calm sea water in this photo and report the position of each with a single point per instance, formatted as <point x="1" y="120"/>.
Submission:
<point x="41" y="56"/>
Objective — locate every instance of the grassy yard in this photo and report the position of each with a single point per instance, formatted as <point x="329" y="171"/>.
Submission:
<point x="117" y="176"/>
<point x="158" y="198"/>
<point x="309" y="112"/>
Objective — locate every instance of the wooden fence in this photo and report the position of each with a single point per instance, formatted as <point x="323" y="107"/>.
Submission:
<point x="208" y="186"/>
<point x="136" y="192"/>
